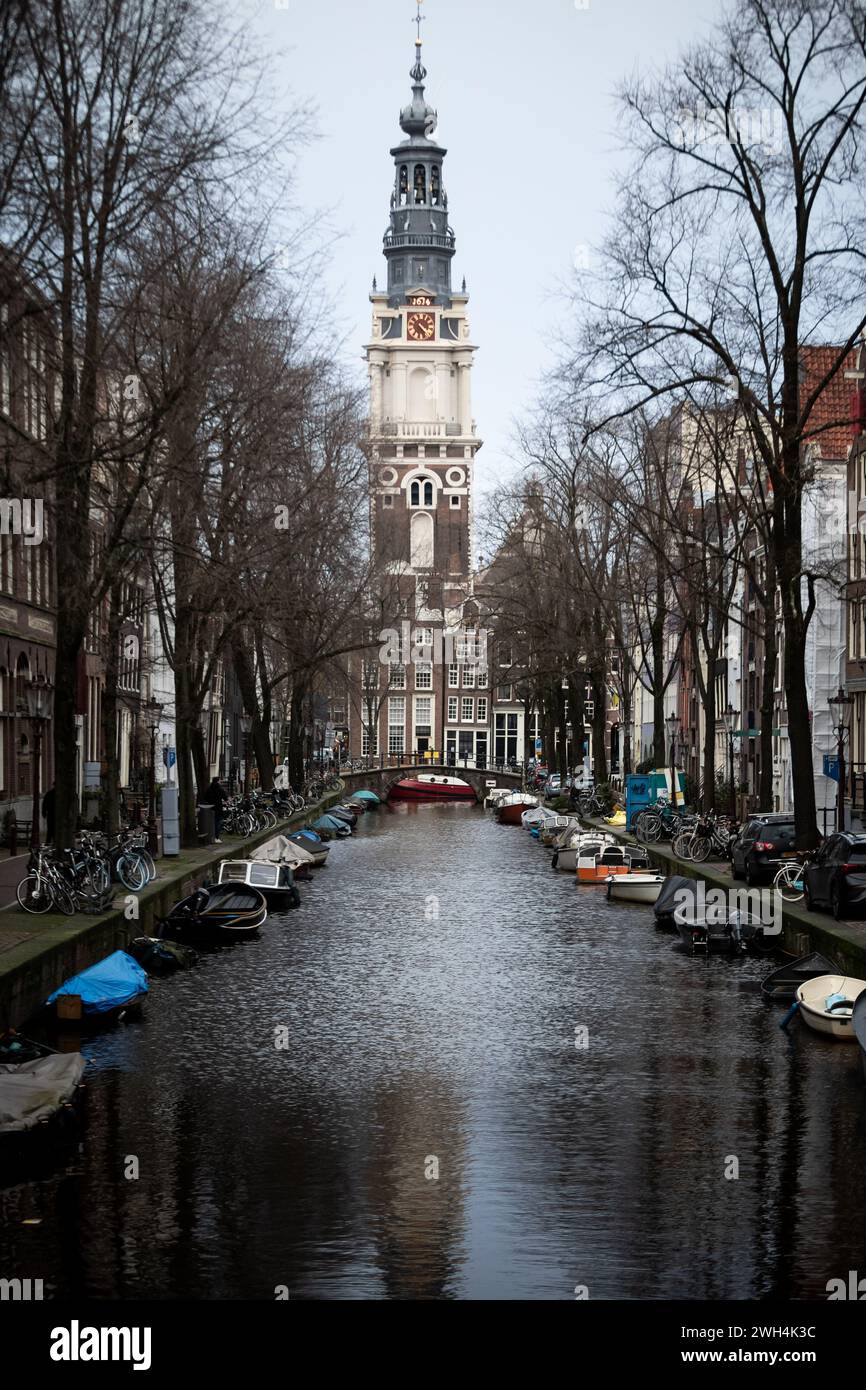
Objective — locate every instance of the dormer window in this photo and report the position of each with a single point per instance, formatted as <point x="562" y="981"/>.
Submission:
<point x="420" y="184"/>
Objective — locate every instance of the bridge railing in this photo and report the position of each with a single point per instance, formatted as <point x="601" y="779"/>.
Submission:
<point x="398" y="760"/>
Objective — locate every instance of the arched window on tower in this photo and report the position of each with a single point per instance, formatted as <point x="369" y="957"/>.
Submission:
<point x="404" y="185"/>
<point x="422" y="493"/>
<point x="435" y="189"/>
<point x="420" y="184"/>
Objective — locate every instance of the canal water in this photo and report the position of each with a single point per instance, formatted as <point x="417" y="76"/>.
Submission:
<point x="435" y="1127"/>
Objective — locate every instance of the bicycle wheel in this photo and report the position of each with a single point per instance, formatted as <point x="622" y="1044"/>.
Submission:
<point x="789" y="882"/>
<point x="131" y="872"/>
<point x="701" y="848"/>
<point x="682" y="846"/>
<point x="652" y="829"/>
<point x="149" y="867"/>
<point x="64" y="897"/>
<point x="34" y="894"/>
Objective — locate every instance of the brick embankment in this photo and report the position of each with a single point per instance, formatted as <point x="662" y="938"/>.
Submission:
<point x="802" y="931"/>
<point x="37" y="953"/>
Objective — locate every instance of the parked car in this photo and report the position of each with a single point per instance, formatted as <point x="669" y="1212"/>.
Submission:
<point x="553" y="784"/>
<point x="757" y="851"/>
<point x="836" y="877"/>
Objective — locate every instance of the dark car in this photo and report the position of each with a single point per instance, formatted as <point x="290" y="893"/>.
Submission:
<point x="757" y="851"/>
<point x="836" y="877"/>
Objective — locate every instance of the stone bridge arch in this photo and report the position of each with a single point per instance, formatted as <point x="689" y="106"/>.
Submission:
<point x="383" y="780"/>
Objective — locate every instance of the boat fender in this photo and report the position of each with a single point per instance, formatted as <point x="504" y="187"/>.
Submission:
<point x="790" y="1014"/>
<point x="555" y="860"/>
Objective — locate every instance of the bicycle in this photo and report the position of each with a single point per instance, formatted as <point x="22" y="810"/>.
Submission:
<point x="789" y="881"/>
<point x="698" y="842"/>
<point x="43" y="887"/>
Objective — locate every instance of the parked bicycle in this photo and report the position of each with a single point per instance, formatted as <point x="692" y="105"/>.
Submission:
<point x="790" y="879"/>
<point x="704" y="837"/>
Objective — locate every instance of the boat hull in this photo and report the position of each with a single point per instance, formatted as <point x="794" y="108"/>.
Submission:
<point x="634" y="888"/>
<point x="811" y="997"/>
<point x="413" y="789"/>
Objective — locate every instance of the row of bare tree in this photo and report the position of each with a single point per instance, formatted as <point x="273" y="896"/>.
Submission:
<point x="673" y="444"/>
<point x="199" y="433"/>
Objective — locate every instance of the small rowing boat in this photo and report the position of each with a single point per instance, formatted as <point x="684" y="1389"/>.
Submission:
<point x="224" y="912"/>
<point x="634" y="887"/>
<point x="782" y="984"/>
<point x="827" y="1005"/>
<point x="104" y="993"/>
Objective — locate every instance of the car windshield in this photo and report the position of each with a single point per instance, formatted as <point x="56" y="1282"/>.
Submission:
<point x="856" y="853"/>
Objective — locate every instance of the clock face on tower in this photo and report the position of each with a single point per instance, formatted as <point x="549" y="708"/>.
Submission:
<point x="421" y="327"/>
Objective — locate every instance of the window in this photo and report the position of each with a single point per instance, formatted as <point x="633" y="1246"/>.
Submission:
<point x="455" y="503"/>
<point x="467" y="711"/>
<point x="481" y="714"/>
<point x="468" y="677"/>
<point x="420" y="182"/>
<point x="482" y="678"/>
<point x="398" y="678"/>
<point x="421" y="493"/>
<point x="396" y="723"/>
<point x="387" y="500"/>
<point x="423" y="675"/>
<point x="371" y="675"/>
<point x="452" y="709"/>
<point x="423" y="716"/>
<point x="503" y="693"/>
<point x="453" y="676"/>
<point x="369" y="743"/>
<point x="6" y="564"/>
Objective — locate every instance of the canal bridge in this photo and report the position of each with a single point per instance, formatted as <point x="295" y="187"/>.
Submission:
<point x="382" y="780"/>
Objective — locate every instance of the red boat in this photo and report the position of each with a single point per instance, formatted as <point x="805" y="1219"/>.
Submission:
<point x="428" y="785"/>
<point x="508" y="812"/>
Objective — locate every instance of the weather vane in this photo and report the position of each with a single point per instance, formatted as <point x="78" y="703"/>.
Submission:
<point x="419" y="19"/>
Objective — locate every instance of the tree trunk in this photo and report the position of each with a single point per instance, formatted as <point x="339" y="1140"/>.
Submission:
<point x="65" y="742"/>
<point x="599" y="728"/>
<point x="111" y="774"/>
<point x="296" y="737"/>
<point x="768" y="699"/>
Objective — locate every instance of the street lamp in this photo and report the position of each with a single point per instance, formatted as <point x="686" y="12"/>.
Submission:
<point x="246" y="730"/>
<point x="153" y="711"/>
<point x="672" y="723"/>
<point x="38" y="704"/>
<point x="731" y="716"/>
<point x="840" y="708"/>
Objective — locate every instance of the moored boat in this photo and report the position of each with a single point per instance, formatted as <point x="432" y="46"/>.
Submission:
<point x="276" y="882"/>
<point x="104" y="993"/>
<point x="511" y="808"/>
<point x="827" y="1005"/>
<point x="566" y="854"/>
<point x="635" y="887"/>
<point x="314" y="845"/>
<point x="782" y="983"/>
<point x="159" y="956"/>
<point x="596" y="863"/>
<point x="429" y="786"/>
<point x="223" y="912"/>
<point x="552" y="828"/>
<point x="858" y="1023"/>
<point x="33" y="1093"/>
<point x="721" y="929"/>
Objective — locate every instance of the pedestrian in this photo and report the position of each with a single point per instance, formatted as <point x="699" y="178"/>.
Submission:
<point x="48" y="813"/>
<point x="217" y="797"/>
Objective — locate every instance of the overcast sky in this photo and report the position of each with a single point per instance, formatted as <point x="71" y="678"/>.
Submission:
<point x="524" y="94"/>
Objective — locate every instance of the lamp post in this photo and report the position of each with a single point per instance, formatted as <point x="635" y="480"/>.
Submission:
<point x="672" y="722"/>
<point x="38" y="700"/>
<point x="153" y="710"/>
<point x="246" y="730"/>
<point x="840" y="707"/>
<point x="731" y="717"/>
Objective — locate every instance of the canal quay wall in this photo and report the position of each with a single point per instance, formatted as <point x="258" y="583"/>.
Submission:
<point x="802" y="931"/>
<point x="37" y="953"/>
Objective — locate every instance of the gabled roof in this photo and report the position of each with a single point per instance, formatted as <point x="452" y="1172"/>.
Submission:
<point x="830" y="431"/>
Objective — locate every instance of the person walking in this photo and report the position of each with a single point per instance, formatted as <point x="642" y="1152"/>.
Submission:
<point x="217" y="797"/>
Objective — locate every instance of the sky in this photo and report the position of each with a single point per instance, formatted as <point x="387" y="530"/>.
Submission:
<point x="525" y="96"/>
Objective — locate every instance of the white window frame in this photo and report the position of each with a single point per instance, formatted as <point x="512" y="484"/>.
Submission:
<point x="467" y="710"/>
<point x="452" y="709"/>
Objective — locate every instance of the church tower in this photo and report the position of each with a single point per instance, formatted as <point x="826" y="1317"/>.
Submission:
<point x="421" y="447"/>
<point x="422" y="435"/>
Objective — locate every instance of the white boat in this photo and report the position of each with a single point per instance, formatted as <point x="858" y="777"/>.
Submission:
<point x="635" y="887"/>
<point x="497" y="794"/>
<point x="552" y="829"/>
<point x="285" y="849"/>
<point x="536" y="815"/>
<point x="565" y="857"/>
<point x="275" y="881"/>
<point x="827" y="1003"/>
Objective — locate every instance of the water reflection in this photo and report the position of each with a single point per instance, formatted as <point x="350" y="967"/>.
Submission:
<point x="431" y="984"/>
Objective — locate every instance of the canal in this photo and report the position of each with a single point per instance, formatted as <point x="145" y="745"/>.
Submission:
<point x="431" y="1125"/>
